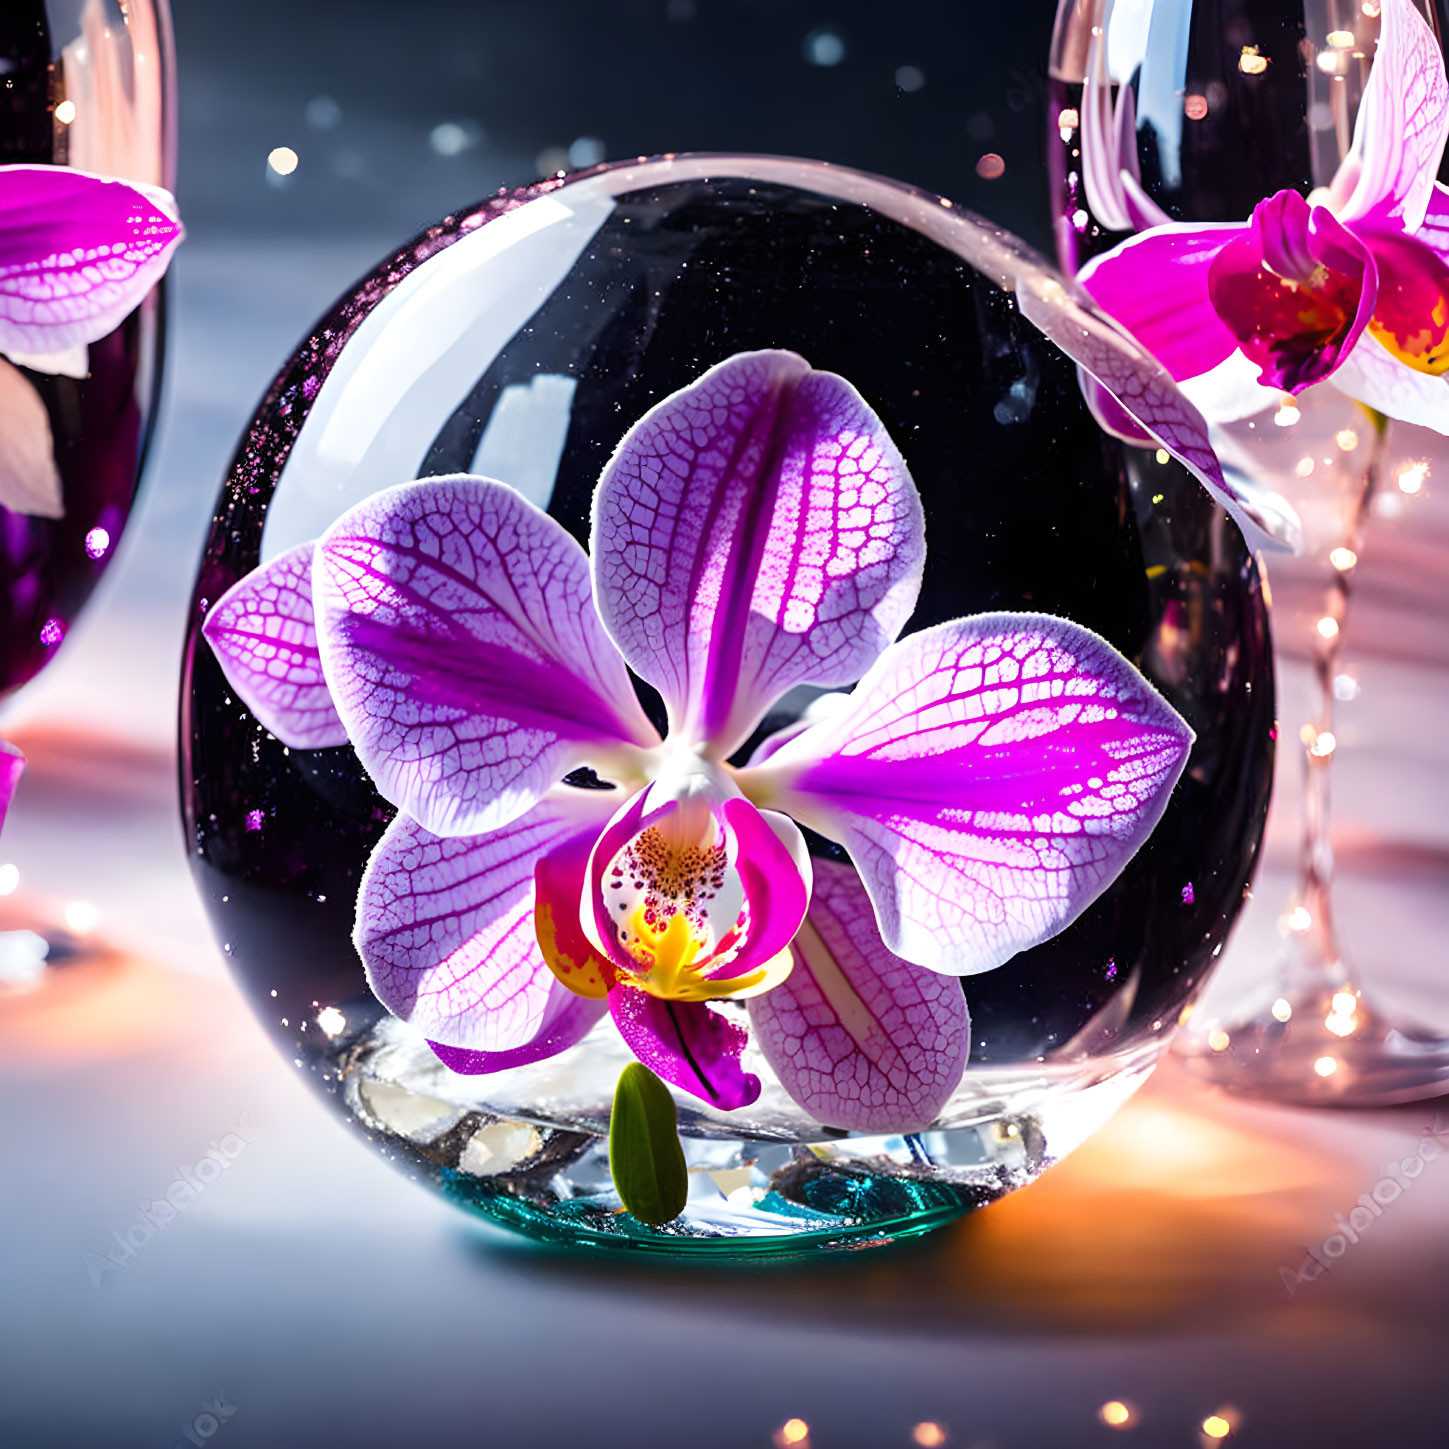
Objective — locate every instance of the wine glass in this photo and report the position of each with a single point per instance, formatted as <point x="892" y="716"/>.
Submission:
<point x="87" y="86"/>
<point x="1196" y="110"/>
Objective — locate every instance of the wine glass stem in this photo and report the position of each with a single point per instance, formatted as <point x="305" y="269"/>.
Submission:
<point x="1318" y="957"/>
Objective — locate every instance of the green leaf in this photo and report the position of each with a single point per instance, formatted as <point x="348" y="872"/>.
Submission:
<point x="645" y="1157"/>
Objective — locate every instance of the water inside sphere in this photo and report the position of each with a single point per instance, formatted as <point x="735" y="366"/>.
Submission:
<point x="520" y="339"/>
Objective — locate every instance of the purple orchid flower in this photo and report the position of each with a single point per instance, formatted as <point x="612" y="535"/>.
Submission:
<point x="12" y="766"/>
<point x="755" y="532"/>
<point x="78" y="253"/>
<point x="1349" y="284"/>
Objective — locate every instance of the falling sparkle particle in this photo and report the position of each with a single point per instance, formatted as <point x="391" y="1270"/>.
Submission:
<point x="1343" y="559"/>
<point x="1080" y="219"/>
<point x="1068" y="120"/>
<point x="52" y="632"/>
<point x="1304" y="468"/>
<point x="910" y="77"/>
<point x="990" y="166"/>
<point x="9" y="879"/>
<point x="332" y="1021"/>
<point x="1282" y="1009"/>
<point x="824" y="47"/>
<point x="1325" y="1067"/>
<point x="1327" y="627"/>
<point x="1116" y="1414"/>
<point x="1188" y="897"/>
<point x="1252" y="61"/>
<point x="1327" y="61"/>
<point x="1413" y="477"/>
<point x="1345" y="688"/>
<point x="1341" y="39"/>
<point x="1287" y="413"/>
<point x="793" y="1432"/>
<point x="929" y="1435"/>
<point x="1162" y="455"/>
<point x="282" y="160"/>
<point x="97" y="542"/>
<point x="1218" y="1039"/>
<point x="1112" y="969"/>
<point x="1346" y="439"/>
<point x="255" y="819"/>
<point x="1299" y="919"/>
<point x="452" y="138"/>
<point x="65" y="112"/>
<point x="1195" y="107"/>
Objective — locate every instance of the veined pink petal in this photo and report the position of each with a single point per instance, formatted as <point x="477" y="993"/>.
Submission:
<point x="687" y="1044"/>
<point x="12" y="766"/>
<point x="1156" y="285"/>
<point x="1146" y="392"/>
<point x="1435" y="229"/>
<point x="1296" y="291"/>
<point x="1411" y="313"/>
<point x="1111" y="416"/>
<point x="445" y="929"/>
<point x="459" y="639"/>
<point x="754" y="531"/>
<point x="29" y="479"/>
<point x="78" y="253"/>
<point x="1374" y="377"/>
<point x="991" y="778"/>
<point x="857" y="1036"/>
<point x="692" y="892"/>
<point x="265" y="638"/>
<point x="567" y="1020"/>
<point x="1398" y="136"/>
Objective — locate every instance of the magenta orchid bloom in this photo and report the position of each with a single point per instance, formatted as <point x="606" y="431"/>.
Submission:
<point x="755" y="532"/>
<point x="78" y="254"/>
<point x="1351" y="283"/>
<point x="12" y="766"/>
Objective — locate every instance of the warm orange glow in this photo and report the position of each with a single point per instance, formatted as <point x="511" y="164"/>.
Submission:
<point x="1326" y="1066"/>
<point x="929" y="1435"/>
<point x="1252" y="61"/>
<point x="1117" y="1415"/>
<point x="793" y="1431"/>
<point x="1216" y="1427"/>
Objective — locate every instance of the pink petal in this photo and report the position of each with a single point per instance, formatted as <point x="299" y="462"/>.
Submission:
<point x="1399" y="134"/>
<point x="858" y="1037"/>
<point x="1145" y="391"/>
<point x="754" y="531"/>
<point x="265" y="638"/>
<point x="78" y="253"/>
<point x="1374" y="377"/>
<point x="459" y="636"/>
<point x="991" y="778"/>
<point x="559" y="881"/>
<point x="1296" y="291"/>
<point x="1411" y="313"/>
<point x="29" y="479"/>
<point x="445" y="929"/>
<point x="1111" y="416"/>
<point x="1156" y="286"/>
<point x="566" y="1022"/>
<point x="686" y="1044"/>
<point x="12" y="766"/>
<point x="1435" y="229"/>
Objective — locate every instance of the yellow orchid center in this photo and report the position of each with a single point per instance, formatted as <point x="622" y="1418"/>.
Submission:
<point x="667" y="952"/>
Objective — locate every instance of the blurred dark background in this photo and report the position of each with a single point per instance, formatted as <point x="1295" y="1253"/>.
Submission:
<point x="399" y="113"/>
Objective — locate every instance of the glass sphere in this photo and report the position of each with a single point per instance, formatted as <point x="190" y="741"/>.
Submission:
<point x="1229" y="101"/>
<point x="519" y="339"/>
<point x="89" y="86"/>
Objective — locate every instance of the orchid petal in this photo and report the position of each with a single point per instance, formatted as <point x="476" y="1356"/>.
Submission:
<point x="73" y="362"/>
<point x="860" y="1038"/>
<point x="1156" y="286"/>
<point x="12" y="766"/>
<point x="686" y="1044"/>
<point x="1434" y="232"/>
<point x="991" y="779"/>
<point x="1145" y="390"/>
<point x="1110" y="415"/>
<point x="1411" y="313"/>
<point x="694" y="893"/>
<point x="1296" y="291"/>
<point x="78" y="254"/>
<point x="566" y="1022"/>
<point x="265" y="638"/>
<point x="460" y="642"/>
<point x="755" y="531"/>
<point x="29" y="479"/>
<point x="1374" y="377"/>
<point x="559" y="880"/>
<point x="1399" y="134"/>
<point x="445" y="929"/>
